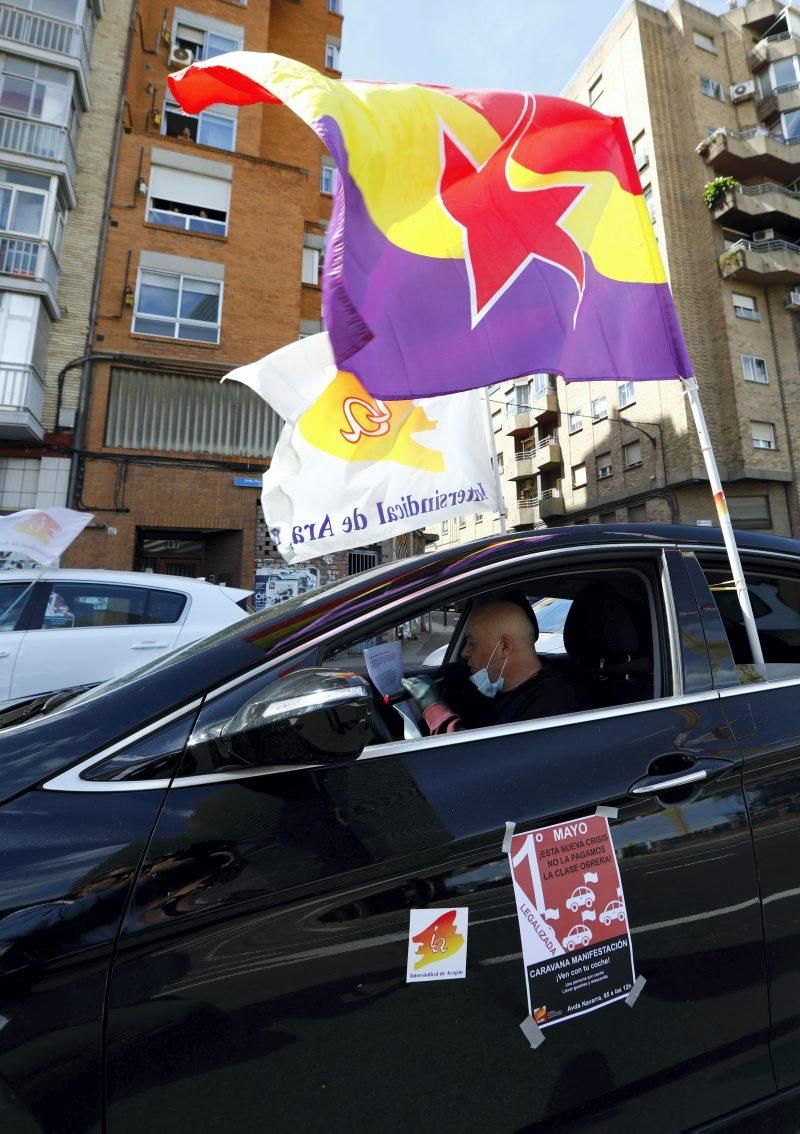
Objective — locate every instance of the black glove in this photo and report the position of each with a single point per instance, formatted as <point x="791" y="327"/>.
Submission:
<point x="424" y="690"/>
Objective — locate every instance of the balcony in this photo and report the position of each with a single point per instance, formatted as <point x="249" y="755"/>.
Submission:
<point x="763" y="262"/>
<point x="525" y="512"/>
<point x="548" y="453"/>
<point x="21" y="400"/>
<point x="751" y="153"/>
<point x="551" y="503"/>
<point x="759" y="15"/>
<point x="50" y="40"/>
<point x="32" y="265"/>
<point x="546" y="406"/>
<point x="523" y="468"/>
<point x="781" y="100"/>
<point x="39" y="140"/>
<point x="760" y="206"/>
<point x="773" y="47"/>
<point x="519" y="422"/>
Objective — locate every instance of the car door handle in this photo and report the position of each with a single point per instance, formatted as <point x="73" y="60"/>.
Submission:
<point x="699" y="772"/>
<point x="149" y="645"/>
<point x="5" y="653"/>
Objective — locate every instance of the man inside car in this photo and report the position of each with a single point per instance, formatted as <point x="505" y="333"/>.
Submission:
<point x="504" y="679"/>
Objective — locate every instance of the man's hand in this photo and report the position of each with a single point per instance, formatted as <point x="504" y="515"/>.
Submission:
<point x="422" y="689"/>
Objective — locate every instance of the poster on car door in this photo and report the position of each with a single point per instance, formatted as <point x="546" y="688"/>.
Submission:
<point x="576" y="942"/>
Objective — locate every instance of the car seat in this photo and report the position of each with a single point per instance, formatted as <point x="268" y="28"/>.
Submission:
<point x="608" y="640"/>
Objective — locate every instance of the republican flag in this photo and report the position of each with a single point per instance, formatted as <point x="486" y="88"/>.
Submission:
<point x="476" y="236"/>
<point x="350" y="469"/>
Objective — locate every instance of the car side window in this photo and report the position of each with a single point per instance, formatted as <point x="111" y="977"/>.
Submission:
<point x="12" y="601"/>
<point x="597" y="632"/>
<point x="775" y="598"/>
<point x="94" y="604"/>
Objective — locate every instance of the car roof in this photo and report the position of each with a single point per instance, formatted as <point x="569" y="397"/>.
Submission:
<point x="101" y="575"/>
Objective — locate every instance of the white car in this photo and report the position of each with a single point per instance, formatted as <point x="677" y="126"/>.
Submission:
<point x="62" y="627"/>
<point x="614" y="911"/>
<point x="580" y="896"/>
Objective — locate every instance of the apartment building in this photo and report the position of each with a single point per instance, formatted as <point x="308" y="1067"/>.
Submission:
<point x="712" y="108"/>
<point x="213" y="259"/>
<point x="60" y="68"/>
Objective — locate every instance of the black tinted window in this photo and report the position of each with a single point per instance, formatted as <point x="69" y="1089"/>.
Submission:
<point x="775" y="598"/>
<point x="11" y="604"/>
<point x="75" y="605"/>
<point x="164" y="606"/>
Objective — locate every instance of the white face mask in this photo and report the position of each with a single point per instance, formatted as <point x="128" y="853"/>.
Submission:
<point x="483" y="683"/>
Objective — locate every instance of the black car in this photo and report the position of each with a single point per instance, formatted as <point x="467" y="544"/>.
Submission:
<point x="207" y="867"/>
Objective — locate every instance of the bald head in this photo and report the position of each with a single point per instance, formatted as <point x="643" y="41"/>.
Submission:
<point x="501" y="637"/>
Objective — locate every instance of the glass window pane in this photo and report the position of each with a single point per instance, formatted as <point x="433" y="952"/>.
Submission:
<point x="154" y="327"/>
<point x="791" y="124"/>
<point x="164" y="607"/>
<point x="198" y="333"/>
<point x="783" y="72"/>
<point x="27" y="213"/>
<point x="216" y="130"/>
<point x="158" y="295"/>
<point x="11" y="604"/>
<point x="219" y="45"/>
<point x="200" y="300"/>
<point x="5" y="207"/>
<point x="77" y="604"/>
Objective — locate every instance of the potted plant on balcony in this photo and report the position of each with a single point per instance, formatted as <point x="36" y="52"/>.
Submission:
<point x="719" y="191"/>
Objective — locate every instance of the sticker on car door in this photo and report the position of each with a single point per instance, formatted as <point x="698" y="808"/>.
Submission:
<point x="437" y="944"/>
<point x="576" y="941"/>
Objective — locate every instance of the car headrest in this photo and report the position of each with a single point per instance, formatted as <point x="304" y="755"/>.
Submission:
<point x="600" y="629"/>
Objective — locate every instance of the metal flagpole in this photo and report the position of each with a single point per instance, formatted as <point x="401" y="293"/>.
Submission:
<point x="497" y="479"/>
<point x="692" y="393"/>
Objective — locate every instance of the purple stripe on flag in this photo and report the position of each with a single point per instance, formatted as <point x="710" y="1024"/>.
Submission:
<point x="401" y="322"/>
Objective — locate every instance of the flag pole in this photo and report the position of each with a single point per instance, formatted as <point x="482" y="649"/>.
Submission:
<point x="495" y="465"/>
<point x="692" y="393"/>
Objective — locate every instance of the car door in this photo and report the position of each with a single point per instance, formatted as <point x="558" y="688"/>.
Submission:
<point x="91" y="631"/>
<point x="15" y="604"/>
<point x="260" y="978"/>
<point x="764" y="717"/>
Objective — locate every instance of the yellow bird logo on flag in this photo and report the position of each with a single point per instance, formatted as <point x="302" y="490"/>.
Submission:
<point x="352" y="425"/>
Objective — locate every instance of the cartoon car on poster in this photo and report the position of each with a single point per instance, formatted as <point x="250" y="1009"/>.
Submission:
<point x="614" y="911"/>
<point x="578" y="935"/>
<point x="581" y="896"/>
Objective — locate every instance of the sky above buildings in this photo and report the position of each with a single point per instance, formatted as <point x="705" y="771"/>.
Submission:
<point x="534" y="45"/>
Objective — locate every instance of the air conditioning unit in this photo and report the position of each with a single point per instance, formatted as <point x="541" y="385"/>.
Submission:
<point x="764" y="234"/>
<point x="180" y="56"/>
<point x="793" y="300"/>
<point x="742" y="91"/>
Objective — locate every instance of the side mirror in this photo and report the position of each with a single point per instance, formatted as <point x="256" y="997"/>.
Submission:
<point x="313" y="716"/>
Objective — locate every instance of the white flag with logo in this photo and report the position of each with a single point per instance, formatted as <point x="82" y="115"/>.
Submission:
<point x="350" y="469"/>
<point x="42" y="534"/>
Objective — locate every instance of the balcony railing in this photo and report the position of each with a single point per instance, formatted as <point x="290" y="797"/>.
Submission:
<point x="188" y="223"/>
<point x="765" y="246"/>
<point x="37" y="139"/>
<point x="58" y="36"/>
<point x="21" y="388"/>
<point x="767" y="187"/>
<point x="28" y="259"/>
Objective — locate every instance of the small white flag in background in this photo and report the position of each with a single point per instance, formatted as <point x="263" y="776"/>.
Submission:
<point x="350" y="469"/>
<point x="42" y="534"/>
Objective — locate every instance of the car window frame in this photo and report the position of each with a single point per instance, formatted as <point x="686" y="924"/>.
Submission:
<point x="53" y="584"/>
<point x="29" y="607"/>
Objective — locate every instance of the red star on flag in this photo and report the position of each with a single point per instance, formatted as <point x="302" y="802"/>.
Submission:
<point x="505" y="228"/>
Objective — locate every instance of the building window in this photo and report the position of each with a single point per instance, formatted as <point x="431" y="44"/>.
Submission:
<point x="763" y="434"/>
<point x="648" y="200"/>
<point x="705" y="42"/>
<point x="335" y="7"/>
<point x="607" y="517"/>
<point x="188" y="201"/>
<point x="641" y="154"/>
<point x="207" y="128"/>
<point x="604" y="468"/>
<point x="332" y="56"/>
<point x="632" y="455"/>
<point x="22" y="209"/>
<point x="203" y="43"/>
<point x="755" y="369"/>
<point x="779" y="75"/>
<point x="462" y="521"/>
<point x="744" y="307"/>
<point x="312" y="263"/>
<point x="595" y="90"/>
<point x="543" y="384"/>
<point x="178" y="306"/>
<point x="578" y="476"/>
<point x="575" y="421"/>
<point x="599" y="408"/>
<point x="637" y="514"/>
<point x="626" y="394"/>
<point x="327" y="178"/>
<point x="445" y="526"/>
<point x="712" y="88"/>
<point x="500" y="463"/>
<point x="35" y="90"/>
<point x="358" y="561"/>
<point x="750" y="512"/>
<point x="479" y="517"/>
